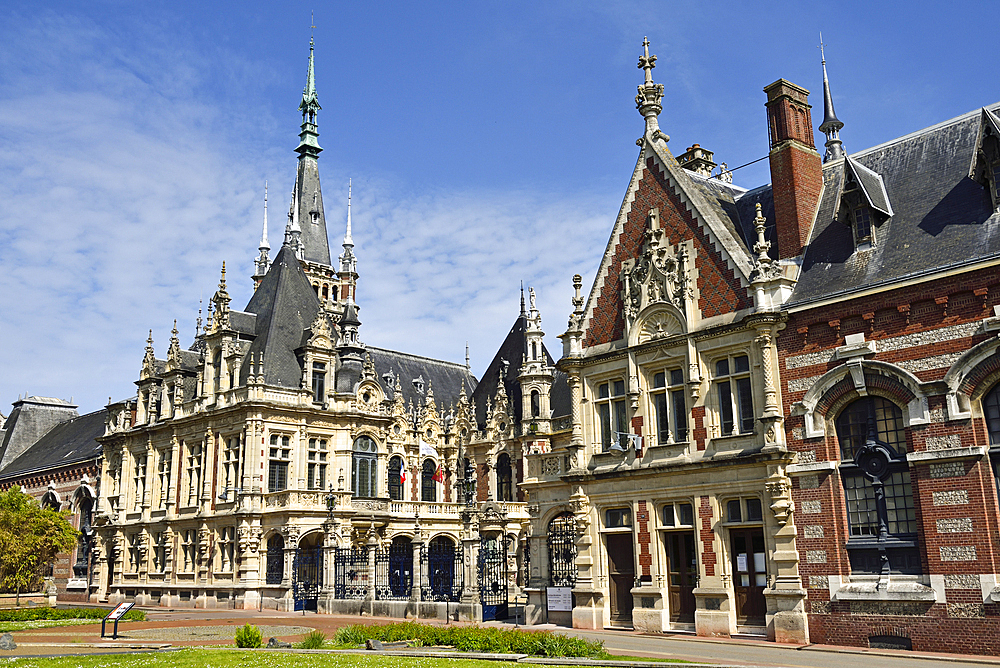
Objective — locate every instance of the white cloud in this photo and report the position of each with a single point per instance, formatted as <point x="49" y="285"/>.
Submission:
<point x="124" y="186"/>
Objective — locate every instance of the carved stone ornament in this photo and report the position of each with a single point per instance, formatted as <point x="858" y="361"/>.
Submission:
<point x="779" y="489"/>
<point x="658" y="275"/>
<point x="320" y="332"/>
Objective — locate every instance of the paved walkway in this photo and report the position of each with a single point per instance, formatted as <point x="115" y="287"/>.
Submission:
<point x="177" y="628"/>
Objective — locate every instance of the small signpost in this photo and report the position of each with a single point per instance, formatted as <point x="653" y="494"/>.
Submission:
<point x="115" y="616"/>
<point x="559" y="599"/>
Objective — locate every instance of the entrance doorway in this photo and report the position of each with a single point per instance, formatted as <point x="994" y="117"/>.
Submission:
<point x="682" y="571"/>
<point x="307" y="572"/>
<point x="749" y="575"/>
<point x="621" y="568"/>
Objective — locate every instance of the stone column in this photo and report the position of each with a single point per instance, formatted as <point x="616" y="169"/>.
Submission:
<point x="786" y="614"/>
<point x="588" y="612"/>
<point x="576" y="441"/>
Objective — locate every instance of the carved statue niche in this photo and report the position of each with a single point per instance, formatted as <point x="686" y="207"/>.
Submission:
<point x="658" y="275"/>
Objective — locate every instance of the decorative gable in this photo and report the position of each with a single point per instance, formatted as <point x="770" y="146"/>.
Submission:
<point x="715" y="286"/>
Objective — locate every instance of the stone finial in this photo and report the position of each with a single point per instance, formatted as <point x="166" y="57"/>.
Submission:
<point x="762" y="245"/>
<point x="650" y="96"/>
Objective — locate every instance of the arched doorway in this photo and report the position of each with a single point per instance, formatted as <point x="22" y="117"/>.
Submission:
<point x="307" y="572"/>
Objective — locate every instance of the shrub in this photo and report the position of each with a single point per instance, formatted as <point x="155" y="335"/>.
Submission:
<point x="248" y="637"/>
<point x="313" y="640"/>
<point x="32" y="614"/>
<point x="475" y="639"/>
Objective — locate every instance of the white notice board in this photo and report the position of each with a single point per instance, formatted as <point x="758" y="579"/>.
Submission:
<point x="560" y="599"/>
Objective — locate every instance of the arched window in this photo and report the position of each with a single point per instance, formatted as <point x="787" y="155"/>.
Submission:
<point x="363" y="467"/>
<point x="872" y="440"/>
<point x="396" y="478"/>
<point x="536" y="404"/>
<point x="991" y="411"/>
<point x="428" y="490"/>
<point x="504" y="486"/>
<point x="275" y="559"/>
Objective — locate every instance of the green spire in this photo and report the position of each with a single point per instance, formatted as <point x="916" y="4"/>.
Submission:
<point x="309" y="136"/>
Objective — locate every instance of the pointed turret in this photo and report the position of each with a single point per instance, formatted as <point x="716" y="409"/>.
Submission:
<point x="263" y="262"/>
<point x="831" y="124"/>
<point x="348" y="273"/>
<point x="308" y="197"/>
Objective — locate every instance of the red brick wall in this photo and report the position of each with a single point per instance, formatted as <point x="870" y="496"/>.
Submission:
<point x="925" y="308"/>
<point x="720" y="290"/>
<point x="645" y="558"/>
<point x="707" y="536"/>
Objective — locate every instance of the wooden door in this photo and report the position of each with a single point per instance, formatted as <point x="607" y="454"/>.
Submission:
<point x="682" y="571"/>
<point x="749" y="575"/>
<point x="621" y="567"/>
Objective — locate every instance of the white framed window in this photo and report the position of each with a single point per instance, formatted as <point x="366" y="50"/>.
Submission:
<point x="279" y="458"/>
<point x="670" y="406"/>
<point x="316" y="465"/>
<point x="189" y="548"/>
<point x="227" y="548"/>
<point x="612" y="417"/>
<point x="139" y="479"/>
<point x="734" y="395"/>
<point x="231" y="465"/>
<point x="319" y="382"/>
<point x="744" y="510"/>
<point x="363" y="467"/>
<point x="163" y="472"/>
<point x="193" y="471"/>
<point x="677" y="515"/>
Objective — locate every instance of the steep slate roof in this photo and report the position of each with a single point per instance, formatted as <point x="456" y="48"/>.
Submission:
<point x="446" y="378"/>
<point x="941" y="217"/>
<point x="285" y="305"/>
<point x="513" y="349"/>
<point x="69" y="442"/>
<point x="31" y="418"/>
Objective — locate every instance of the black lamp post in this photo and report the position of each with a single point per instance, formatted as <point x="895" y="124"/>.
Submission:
<point x="331" y="502"/>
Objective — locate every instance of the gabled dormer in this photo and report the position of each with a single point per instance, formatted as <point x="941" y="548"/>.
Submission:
<point x="864" y="203"/>
<point x="985" y="168"/>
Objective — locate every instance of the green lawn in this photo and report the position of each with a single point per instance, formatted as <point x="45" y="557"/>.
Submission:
<point x="207" y="658"/>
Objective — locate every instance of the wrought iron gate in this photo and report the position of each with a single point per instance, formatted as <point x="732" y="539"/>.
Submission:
<point x="441" y="572"/>
<point x="350" y="573"/>
<point x="493" y="577"/>
<point x="394" y="572"/>
<point x="307" y="574"/>
<point x="562" y="551"/>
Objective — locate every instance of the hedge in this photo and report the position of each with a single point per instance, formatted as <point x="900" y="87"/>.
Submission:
<point x="31" y="614"/>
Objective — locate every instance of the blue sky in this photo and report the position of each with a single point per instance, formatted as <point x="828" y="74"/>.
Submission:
<point x="488" y="143"/>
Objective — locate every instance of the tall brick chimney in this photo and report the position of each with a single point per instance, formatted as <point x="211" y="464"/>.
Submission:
<point x="796" y="168"/>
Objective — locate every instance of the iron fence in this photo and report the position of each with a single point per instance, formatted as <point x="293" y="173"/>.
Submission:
<point x="394" y="572"/>
<point x="442" y="575"/>
<point x="350" y="580"/>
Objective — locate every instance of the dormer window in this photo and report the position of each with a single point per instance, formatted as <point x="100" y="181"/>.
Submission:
<point x="862" y="220"/>
<point x="319" y="382"/>
<point x="986" y="163"/>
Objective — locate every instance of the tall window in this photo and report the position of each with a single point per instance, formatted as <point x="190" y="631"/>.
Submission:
<point x="231" y="466"/>
<point x="139" y="479"/>
<point x="159" y="552"/>
<point x="194" y="473"/>
<point x="536" y="404"/>
<point x="227" y="543"/>
<point x="316" y="466"/>
<point x="732" y="385"/>
<point x="428" y="490"/>
<point x="879" y="422"/>
<point x="363" y="467"/>
<point x="670" y="406"/>
<point x="319" y="382"/>
<point x="217" y="370"/>
<point x="275" y="559"/>
<point x="611" y="414"/>
<point x="505" y="491"/>
<point x="189" y="547"/>
<point x="279" y="457"/>
<point x="134" y="546"/>
<point x="991" y="411"/>
<point x="165" y="456"/>
<point x="396" y="478"/>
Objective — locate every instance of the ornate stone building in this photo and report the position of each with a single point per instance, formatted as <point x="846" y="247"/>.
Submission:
<point x="280" y="462"/>
<point x="672" y="473"/>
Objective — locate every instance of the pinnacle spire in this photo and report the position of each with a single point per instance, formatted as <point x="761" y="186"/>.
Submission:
<point x="831" y="124"/>
<point x="650" y="96"/>
<point x="309" y="134"/>
<point x="348" y="239"/>
<point x="264" y="244"/>
<point x="263" y="262"/>
<point x="523" y="312"/>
